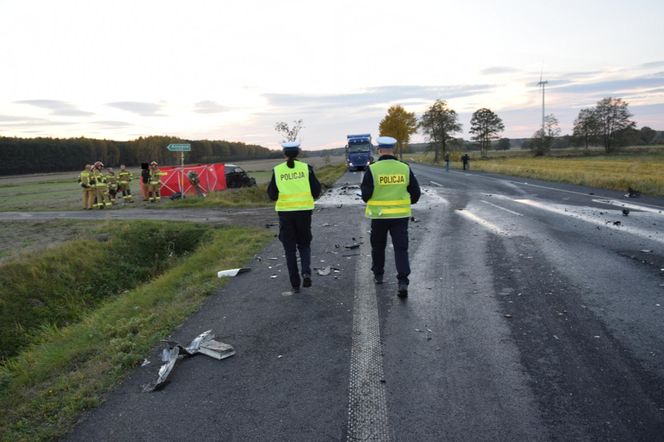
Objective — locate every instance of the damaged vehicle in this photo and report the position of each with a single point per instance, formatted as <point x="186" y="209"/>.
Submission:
<point x="236" y="177"/>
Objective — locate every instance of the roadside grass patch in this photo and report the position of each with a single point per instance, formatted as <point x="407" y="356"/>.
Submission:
<point x="639" y="169"/>
<point x="69" y="369"/>
<point x="55" y="287"/>
<point x="250" y="196"/>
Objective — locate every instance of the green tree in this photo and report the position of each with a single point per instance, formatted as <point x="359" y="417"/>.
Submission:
<point x="504" y="144"/>
<point x="586" y="126"/>
<point x="542" y="141"/>
<point x="484" y="127"/>
<point x="439" y="122"/>
<point x="399" y="124"/>
<point x="613" y="118"/>
<point x="647" y="135"/>
<point x="289" y="133"/>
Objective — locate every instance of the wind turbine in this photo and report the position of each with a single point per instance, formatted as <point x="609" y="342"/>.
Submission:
<point x="543" y="84"/>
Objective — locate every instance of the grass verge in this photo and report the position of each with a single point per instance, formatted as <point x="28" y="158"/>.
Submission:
<point x="616" y="172"/>
<point x="46" y="387"/>
<point x="251" y="196"/>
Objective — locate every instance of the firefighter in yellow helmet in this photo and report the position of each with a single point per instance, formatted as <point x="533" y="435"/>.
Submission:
<point x="88" y="189"/>
<point x="294" y="187"/>
<point x="124" y="180"/>
<point x="389" y="187"/>
<point x="112" y="183"/>
<point x="101" y="188"/>
<point x="154" y="183"/>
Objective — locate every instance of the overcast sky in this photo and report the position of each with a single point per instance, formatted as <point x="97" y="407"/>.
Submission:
<point x="231" y="69"/>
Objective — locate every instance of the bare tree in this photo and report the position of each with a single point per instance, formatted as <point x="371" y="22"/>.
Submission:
<point x="289" y="133"/>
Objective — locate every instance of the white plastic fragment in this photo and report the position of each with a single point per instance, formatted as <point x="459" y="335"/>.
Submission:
<point x="232" y="272"/>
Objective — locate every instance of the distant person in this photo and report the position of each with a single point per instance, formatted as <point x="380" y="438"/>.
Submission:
<point x="294" y="187"/>
<point x="101" y="188"/>
<point x="88" y="189"/>
<point x="465" y="159"/>
<point x="154" y="182"/>
<point x="124" y="183"/>
<point x="389" y="187"/>
<point x="112" y="183"/>
<point x="446" y="158"/>
<point x="145" y="179"/>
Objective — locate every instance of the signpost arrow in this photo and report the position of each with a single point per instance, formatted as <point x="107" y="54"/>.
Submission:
<point x="179" y="147"/>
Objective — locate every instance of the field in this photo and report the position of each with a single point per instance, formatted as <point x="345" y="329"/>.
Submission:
<point x="642" y="169"/>
<point x="60" y="191"/>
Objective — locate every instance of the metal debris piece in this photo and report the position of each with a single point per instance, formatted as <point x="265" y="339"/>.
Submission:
<point x="617" y="223"/>
<point x="145" y="362"/>
<point x="203" y="344"/>
<point x="646" y="250"/>
<point x="625" y="212"/>
<point x="232" y="272"/>
<point x="508" y="316"/>
<point x="632" y="193"/>
<point x="352" y="246"/>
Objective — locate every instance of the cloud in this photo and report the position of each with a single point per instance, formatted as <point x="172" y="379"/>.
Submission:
<point x="613" y="87"/>
<point x="652" y="64"/>
<point x="498" y="70"/>
<point x="138" y="107"/>
<point x="59" y="108"/>
<point x="209" y="107"/>
<point x="111" y="124"/>
<point x="377" y="96"/>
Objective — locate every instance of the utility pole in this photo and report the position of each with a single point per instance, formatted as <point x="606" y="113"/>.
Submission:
<point x="543" y="84"/>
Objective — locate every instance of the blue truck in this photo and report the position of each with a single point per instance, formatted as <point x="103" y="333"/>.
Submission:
<point x="359" y="151"/>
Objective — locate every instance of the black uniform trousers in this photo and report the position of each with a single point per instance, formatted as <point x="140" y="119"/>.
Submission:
<point x="398" y="229"/>
<point x="295" y="234"/>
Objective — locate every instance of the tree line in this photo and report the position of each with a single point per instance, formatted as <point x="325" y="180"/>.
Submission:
<point x="38" y="155"/>
<point x="608" y="124"/>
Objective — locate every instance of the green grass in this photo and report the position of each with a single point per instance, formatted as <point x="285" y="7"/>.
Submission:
<point x="45" y="388"/>
<point x="641" y="171"/>
<point x="57" y="286"/>
<point x="251" y="196"/>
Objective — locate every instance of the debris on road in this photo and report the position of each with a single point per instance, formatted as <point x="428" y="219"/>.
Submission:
<point x="352" y="246"/>
<point x="625" y="212"/>
<point x="617" y="223"/>
<point x="632" y="193"/>
<point x="145" y="362"/>
<point x="324" y="271"/>
<point x="203" y="344"/>
<point x="232" y="272"/>
<point x="508" y="316"/>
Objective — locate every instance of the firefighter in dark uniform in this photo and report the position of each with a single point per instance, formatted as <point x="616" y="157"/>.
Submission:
<point x="294" y="187"/>
<point x="389" y="188"/>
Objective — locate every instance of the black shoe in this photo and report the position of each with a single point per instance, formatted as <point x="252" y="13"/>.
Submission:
<point x="403" y="290"/>
<point x="378" y="279"/>
<point x="306" y="281"/>
<point x="296" y="289"/>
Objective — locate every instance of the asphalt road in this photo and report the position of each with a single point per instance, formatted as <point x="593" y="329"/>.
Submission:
<point x="536" y="312"/>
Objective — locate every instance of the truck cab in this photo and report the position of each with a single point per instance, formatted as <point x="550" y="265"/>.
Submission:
<point x="359" y="151"/>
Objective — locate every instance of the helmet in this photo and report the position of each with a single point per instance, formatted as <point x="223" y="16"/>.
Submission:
<point x="154" y="163"/>
<point x="99" y="164"/>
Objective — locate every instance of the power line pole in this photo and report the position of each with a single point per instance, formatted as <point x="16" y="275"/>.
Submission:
<point x="543" y="84"/>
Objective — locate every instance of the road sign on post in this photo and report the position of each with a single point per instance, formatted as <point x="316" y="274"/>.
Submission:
<point x="179" y="147"/>
<point x="182" y="148"/>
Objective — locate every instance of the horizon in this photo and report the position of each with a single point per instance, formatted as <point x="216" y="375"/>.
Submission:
<point x="231" y="71"/>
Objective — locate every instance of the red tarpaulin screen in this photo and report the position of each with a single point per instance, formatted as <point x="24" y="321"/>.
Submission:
<point x="210" y="178"/>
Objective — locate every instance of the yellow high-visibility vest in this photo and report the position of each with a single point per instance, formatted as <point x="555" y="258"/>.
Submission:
<point x="390" y="198"/>
<point x="294" y="188"/>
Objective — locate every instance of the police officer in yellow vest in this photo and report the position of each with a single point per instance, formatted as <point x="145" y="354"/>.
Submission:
<point x="389" y="188"/>
<point x="294" y="187"/>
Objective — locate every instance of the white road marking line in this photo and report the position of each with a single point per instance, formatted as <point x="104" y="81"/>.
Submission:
<point x="502" y="208"/>
<point x="628" y="205"/>
<point x="367" y="397"/>
<point x="645" y="234"/>
<point x="435" y="183"/>
<point x="481" y="221"/>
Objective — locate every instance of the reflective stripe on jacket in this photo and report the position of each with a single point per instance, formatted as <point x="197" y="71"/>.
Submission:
<point x="124" y="177"/>
<point x="294" y="188"/>
<point x="390" y="198"/>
